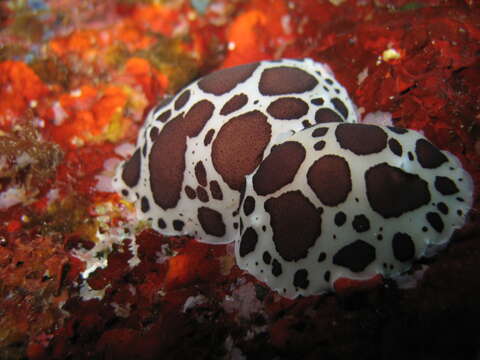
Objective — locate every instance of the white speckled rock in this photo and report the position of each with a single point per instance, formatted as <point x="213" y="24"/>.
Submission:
<point x="348" y="201"/>
<point x="196" y="148"/>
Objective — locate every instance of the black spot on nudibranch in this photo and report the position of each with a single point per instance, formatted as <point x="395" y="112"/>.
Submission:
<point x="392" y="192"/>
<point x="355" y="256"/>
<point x="395" y="147"/>
<point x="340" y="218"/>
<point x="435" y="221"/>
<point x="360" y="223"/>
<point x="276" y="268"/>
<point x="428" y="155"/>
<point x="248" y="205"/>
<point x="403" y="247"/>
<point x="248" y="242"/>
<point x="445" y="186"/>
<point x="300" y="279"/>
<point x="145" y="205"/>
<point x="340" y="107"/>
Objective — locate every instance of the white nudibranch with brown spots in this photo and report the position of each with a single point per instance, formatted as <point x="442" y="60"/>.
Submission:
<point x="324" y="198"/>
<point x="195" y="149"/>
<point x="348" y="201"/>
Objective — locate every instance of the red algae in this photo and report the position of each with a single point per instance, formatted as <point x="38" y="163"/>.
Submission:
<point x="80" y="279"/>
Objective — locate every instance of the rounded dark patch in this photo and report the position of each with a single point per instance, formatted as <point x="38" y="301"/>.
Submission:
<point x="300" y="279"/>
<point x="163" y="117"/>
<point x="235" y="103"/>
<point x="167" y="164"/>
<point x="340" y="107"/>
<point x="329" y="177"/>
<point x="319" y="145"/>
<point x="392" y="192"/>
<point x="443" y="208"/>
<point x="222" y="81"/>
<point x="403" y="247"/>
<point x="161" y="223"/>
<point x="248" y="242"/>
<point x="125" y="192"/>
<point x="410" y="156"/>
<point x="317" y="101"/>
<point x="288" y="108"/>
<point x="322" y="257"/>
<point x="201" y="174"/>
<point x="295" y="222"/>
<point x="197" y="117"/>
<point x="131" y="170"/>
<point x="144" y="150"/>
<point x="202" y="194"/>
<point x="278" y="168"/>
<point x="211" y="221"/>
<point x="306" y="124"/>
<point x="267" y="258"/>
<point x="154" y="134"/>
<point x="276" y="268"/>
<point x="361" y="139"/>
<point x="329" y="81"/>
<point x="326" y="115"/>
<point x="395" y="147"/>
<point x="248" y="205"/>
<point x="428" y="155"/>
<point x="178" y="225"/>
<point x="182" y="100"/>
<point x="190" y="192"/>
<point x="435" y="221"/>
<point x="355" y="256"/>
<point x="216" y="190"/>
<point x="340" y="218"/>
<point x="445" y="186"/>
<point x="145" y="205"/>
<point x="361" y="223"/>
<point x="397" y="130"/>
<point x="238" y="148"/>
<point x="285" y="80"/>
<point x="208" y="137"/>
<point x="326" y="276"/>
<point x="319" y="132"/>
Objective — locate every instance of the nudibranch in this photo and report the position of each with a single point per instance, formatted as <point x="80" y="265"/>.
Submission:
<point x="348" y="201"/>
<point x="195" y="149"/>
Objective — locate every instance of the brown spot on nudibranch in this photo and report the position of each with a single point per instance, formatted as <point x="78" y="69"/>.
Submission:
<point x="326" y="115"/>
<point x="234" y="104"/>
<point x="131" y="170"/>
<point x="285" y="80"/>
<point x="288" y="108"/>
<point x="278" y="168"/>
<point x="211" y="221"/>
<point x="392" y="192"/>
<point x="222" y="81"/>
<point x="167" y="164"/>
<point x="361" y="139"/>
<point x="197" y="117"/>
<point x="296" y="224"/>
<point x="330" y="179"/>
<point x="239" y="145"/>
